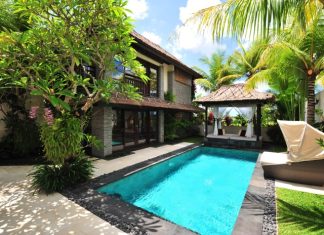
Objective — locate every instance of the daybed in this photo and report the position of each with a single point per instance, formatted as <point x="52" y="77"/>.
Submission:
<point x="304" y="161"/>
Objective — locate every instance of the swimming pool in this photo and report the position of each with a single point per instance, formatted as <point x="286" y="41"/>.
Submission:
<point x="202" y="189"/>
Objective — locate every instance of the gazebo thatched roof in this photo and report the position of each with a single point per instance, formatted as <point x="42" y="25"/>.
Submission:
<point x="235" y="94"/>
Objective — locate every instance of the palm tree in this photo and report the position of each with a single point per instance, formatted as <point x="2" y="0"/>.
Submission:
<point x="220" y="72"/>
<point x="241" y="64"/>
<point x="295" y="57"/>
<point x="255" y="19"/>
<point x="244" y="61"/>
<point x="279" y="67"/>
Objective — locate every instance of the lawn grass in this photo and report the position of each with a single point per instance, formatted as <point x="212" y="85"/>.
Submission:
<point x="299" y="213"/>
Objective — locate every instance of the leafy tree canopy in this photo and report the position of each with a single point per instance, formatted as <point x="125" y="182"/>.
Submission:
<point x="64" y="38"/>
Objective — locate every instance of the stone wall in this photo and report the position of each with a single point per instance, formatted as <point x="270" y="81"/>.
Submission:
<point x="101" y="126"/>
<point x="182" y="93"/>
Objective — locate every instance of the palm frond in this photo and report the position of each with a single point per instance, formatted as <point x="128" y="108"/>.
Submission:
<point x="205" y="84"/>
<point x="253" y="19"/>
<point x="229" y="79"/>
<point x="262" y="77"/>
<point x="200" y="71"/>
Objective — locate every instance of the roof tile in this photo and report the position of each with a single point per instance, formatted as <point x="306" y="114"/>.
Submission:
<point x="150" y="102"/>
<point x="234" y="93"/>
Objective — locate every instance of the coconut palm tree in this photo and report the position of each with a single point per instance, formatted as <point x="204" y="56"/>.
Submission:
<point x="220" y="72"/>
<point x="295" y="57"/>
<point x="255" y="19"/>
<point x="244" y="61"/>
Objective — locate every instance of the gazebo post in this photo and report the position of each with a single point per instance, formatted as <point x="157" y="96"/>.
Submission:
<point x="258" y="121"/>
<point x="206" y="123"/>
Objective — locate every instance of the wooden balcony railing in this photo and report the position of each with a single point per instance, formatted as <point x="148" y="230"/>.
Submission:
<point x="143" y="88"/>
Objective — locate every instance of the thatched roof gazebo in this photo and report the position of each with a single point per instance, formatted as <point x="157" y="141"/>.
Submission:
<point x="237" y="96"/>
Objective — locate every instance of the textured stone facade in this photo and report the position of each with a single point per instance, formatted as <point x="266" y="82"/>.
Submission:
<point x="182" y="92"/>
<point x="101" y="125"/>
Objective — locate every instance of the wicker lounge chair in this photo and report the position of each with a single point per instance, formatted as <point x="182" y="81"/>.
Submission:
<point x="304" y="161"/>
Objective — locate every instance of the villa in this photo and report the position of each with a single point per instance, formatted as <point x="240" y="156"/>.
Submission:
<point x="125" y="122"/>
<point x="170" y="160"/>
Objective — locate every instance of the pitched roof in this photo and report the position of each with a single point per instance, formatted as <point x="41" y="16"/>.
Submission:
<point x="155" y="103"/>
<point x="162" y="53"/>
<point x="235" y="93"/>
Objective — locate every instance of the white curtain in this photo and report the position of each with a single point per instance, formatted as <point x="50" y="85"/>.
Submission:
<point x="219" y="113"/>
<point x="215" y="112"/>
<point x="249" y="129"/>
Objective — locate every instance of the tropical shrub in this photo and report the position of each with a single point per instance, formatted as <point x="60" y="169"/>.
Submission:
<point x="62" y="138"/>
<point x="239" y="120"/>
<point x="52" y="178"/>
<point x="169" y="96"/>
<point x="175" y="128"/>
<point x="22" y="140"/>
<point x="269" y="114"/>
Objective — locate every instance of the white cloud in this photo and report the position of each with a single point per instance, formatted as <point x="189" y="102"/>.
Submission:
<point x="153" y="37"/>
<point x="193" y="6"/>
<point x="139" y="9"/>
<point x="174" y="50"/>
<point x="187" y="37"/>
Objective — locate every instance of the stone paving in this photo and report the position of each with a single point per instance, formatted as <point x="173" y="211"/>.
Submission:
<point x="22" y="212"/>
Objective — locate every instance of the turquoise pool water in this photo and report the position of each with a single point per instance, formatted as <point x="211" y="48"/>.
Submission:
<point x="202" y="189"/>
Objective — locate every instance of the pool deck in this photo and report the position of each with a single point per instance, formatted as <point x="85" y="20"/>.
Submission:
<point x="22" y="212"/>
<point x="250" y="219"/>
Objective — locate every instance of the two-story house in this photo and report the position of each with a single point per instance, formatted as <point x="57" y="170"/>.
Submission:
<point x="124" y="122"/>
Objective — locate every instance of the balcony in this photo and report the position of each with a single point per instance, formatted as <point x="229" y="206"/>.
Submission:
<point x="143" y="88"/>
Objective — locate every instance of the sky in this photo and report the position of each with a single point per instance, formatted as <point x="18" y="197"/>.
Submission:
<point x="162" y="21"/>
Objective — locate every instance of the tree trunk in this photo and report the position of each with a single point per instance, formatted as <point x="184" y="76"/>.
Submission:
<point x="311" y="100"/>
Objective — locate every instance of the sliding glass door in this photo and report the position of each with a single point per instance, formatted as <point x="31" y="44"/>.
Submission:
<point x="134" y="127"/>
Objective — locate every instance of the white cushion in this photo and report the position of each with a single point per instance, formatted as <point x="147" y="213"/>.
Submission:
<point x="270" y="158"/>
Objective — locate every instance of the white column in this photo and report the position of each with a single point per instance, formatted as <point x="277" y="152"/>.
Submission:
<point x="249" y="129"/>
<point x="215" y="112"/>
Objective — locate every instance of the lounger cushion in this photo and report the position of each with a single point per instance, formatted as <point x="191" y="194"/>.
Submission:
<point x="269" y="158"/>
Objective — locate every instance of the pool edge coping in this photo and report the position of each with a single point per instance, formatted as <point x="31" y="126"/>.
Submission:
<point x="257" y="214"/>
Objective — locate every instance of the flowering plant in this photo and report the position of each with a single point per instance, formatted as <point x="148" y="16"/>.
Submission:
<point x="62" y="137"/>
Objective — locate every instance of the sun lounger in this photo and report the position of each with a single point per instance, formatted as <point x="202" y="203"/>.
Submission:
<point x="277" y="166"/>
<point x="304" y="161"/>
